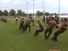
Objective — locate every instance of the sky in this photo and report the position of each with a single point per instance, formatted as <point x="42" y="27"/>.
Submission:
<point x="51" y="6"/>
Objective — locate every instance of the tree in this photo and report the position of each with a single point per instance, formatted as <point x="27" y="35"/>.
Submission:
<point x="1" y="13"/>
<point x="39" y="13"/>
<point x="47" y="14"/>
<point x="24" y="14"/>
<point x="12" y="12"/>
<point x="5" y="13"/>
<point x="19" y="12"/>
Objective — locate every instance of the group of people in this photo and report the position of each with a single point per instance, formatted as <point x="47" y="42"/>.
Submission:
<point x="52" y="22"/>
<point x="25" y="23"/>
<point x="3" y="19"/>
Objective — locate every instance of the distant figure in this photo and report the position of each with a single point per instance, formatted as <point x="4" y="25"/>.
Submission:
<point x="21" y="26"/>
<point x="27" y="25"/>
<point x="48" y="18"/>
<point x="17" y="20"/>
<point x="31" y="18"/>
<point x="43" y="20"/>
<point x="3" y="19"/>
<point x="57" y="19"/>
<point x="62" y="28"/>
<point x="40" y="28"/>
<point x="51" y="24"/>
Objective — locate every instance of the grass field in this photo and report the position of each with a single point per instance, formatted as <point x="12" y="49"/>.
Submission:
<point x="12" y="39"/>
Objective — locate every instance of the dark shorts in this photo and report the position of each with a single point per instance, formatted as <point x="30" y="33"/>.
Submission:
<point x="48" y="30"/>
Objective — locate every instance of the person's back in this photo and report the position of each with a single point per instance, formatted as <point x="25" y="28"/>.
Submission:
<point x="64" y="24"/>
<point x="52" y="23"/>
<point x="27" y="22"/>
<point x="21" y="23"/>
<point x="57" y="20"/>
<point x="40" y="25"/>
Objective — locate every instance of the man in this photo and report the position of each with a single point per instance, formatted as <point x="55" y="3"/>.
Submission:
<point x="51" y="25"/>
<point x="31" y="17"/>
<point x="27" y="25"/>
<point x="43" y="20"/>
<point x="41" y="28"/>
<point x="57" y="19"/>
<point x="49" y="18"/>
<point x="17" y="20"/>
<point x="62" y="28"/>
<point x="21" y="27"/>
<point x="4" y="20"/>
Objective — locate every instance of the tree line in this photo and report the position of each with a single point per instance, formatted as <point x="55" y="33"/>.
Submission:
<point x="12" y="12"/>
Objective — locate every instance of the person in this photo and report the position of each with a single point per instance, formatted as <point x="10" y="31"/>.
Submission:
<point x="62" y="28"/>
<point x="21" y="27"/>
<point x="49" y="29"/>
<point x="31" y="17"/>
<point x="43" y="20"/>
<point x="27" y="24"/>
<point x="33" y="22"/>
<point x="41" y="28"/>
<point x="57" y="19"/>
<point x="17" y="20"/>
<point x="4" y="20"/>
<point x="49" y="18"/>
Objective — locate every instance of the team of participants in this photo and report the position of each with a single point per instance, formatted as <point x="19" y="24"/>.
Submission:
<point x="47" y="25"/>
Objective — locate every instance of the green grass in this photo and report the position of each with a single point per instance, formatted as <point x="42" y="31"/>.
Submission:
<point x="12" y="39"/>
